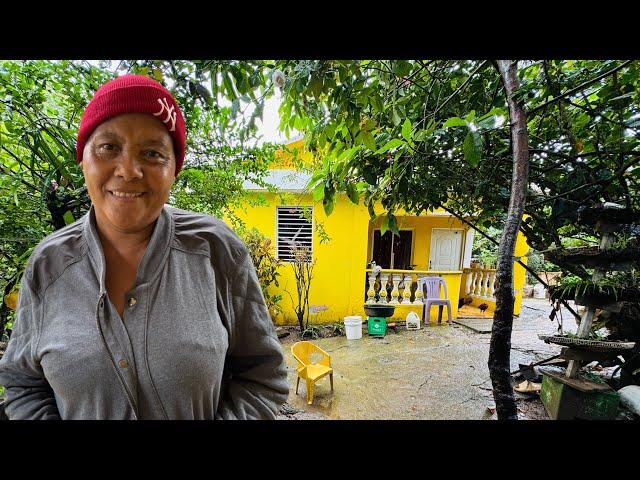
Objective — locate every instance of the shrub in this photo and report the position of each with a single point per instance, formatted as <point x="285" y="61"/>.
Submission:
<point x="266" y="265"/>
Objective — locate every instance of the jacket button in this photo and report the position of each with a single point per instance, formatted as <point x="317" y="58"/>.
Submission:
<point x="123" y="363"/>
<point x="132" y="301"/>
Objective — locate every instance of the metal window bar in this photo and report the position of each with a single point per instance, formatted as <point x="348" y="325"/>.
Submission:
<point x="292" y="229"/>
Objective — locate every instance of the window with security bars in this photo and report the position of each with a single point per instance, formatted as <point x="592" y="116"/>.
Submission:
<point x="294" y="229"/>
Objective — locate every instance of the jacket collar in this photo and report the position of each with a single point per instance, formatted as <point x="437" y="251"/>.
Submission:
<point x="154" y="256"/>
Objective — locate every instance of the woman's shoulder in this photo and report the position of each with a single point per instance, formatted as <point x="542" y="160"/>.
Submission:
<point x="203" y="234"/>
<point x="54" y="254"/>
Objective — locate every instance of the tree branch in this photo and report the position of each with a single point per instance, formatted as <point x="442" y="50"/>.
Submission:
<point x="461" y="87"/>
<point x="580" y="87"/>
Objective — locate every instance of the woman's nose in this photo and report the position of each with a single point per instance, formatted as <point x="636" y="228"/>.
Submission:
<point x="128" y="166"/>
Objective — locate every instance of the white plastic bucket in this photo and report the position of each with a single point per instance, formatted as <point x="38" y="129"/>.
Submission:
<point x="353" y="327"/>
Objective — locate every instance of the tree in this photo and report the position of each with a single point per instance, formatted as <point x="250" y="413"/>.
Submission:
<point x="500" y="347"/>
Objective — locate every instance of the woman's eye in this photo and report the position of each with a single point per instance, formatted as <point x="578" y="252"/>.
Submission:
<point x="154" y="154"/>
<point x="107" y="146"/>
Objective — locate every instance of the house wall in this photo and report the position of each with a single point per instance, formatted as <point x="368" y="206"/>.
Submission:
<point x="339" y="273"/>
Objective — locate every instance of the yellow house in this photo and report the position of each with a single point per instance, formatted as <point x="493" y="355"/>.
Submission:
<point x="434" y="243"/>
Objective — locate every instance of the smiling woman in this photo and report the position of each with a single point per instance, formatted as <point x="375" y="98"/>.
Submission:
<point x="140" y="310"/>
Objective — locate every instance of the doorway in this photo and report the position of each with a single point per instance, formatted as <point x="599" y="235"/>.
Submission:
<point x="445" y="252"/>
<point x="393" y="251"/>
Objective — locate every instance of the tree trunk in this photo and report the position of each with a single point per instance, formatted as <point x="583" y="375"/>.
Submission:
<point x="500" y="349"/>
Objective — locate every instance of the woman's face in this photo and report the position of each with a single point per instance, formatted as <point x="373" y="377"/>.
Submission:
<point x="129" y="167"/>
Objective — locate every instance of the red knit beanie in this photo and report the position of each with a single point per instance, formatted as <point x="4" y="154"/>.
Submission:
<point x="134" y="94"/>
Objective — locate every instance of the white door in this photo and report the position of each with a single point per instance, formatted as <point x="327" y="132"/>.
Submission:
<point x="446" y="249"/>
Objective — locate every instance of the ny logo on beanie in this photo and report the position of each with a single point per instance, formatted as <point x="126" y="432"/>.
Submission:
<point x="171" y="114"/>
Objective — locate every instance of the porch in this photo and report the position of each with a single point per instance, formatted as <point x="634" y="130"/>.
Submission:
<point x="401" y="290"/>
<point x="478" y="284"/>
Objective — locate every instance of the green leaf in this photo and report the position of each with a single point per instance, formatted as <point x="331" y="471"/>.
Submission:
<point x="377" y="103"/>
<point x="393" y="224"/>
<point x="235" y="106"/>
<point x="494" y="112"/>
<point x="369" y="176"/>
<point x="472" y="148"/>
<point x="385" y="225"/>
<point x="328" y="203"/>
<point x="316" y="86"/>
<point x="455" y="122"/>
<point x="348" y="154"/>
<point x="345" y="132"/>
<point x="68" y="217"/>
<point x="371" y="210"/>
<point x="487" y="124"/>
<point x="318" y="192"/>
<point x="395" y="117"/>
<point x="393" y="143"/>
<point x="352" y="193"/>
<point x="406" y="130"/>
<point x="368" y="140"/>
<point x="228" y="85"/>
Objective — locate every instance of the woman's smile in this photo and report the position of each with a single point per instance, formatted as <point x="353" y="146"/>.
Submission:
<point x="125" y="195"/>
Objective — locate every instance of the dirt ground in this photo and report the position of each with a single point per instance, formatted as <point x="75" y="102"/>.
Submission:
<point x="438" y="372"/>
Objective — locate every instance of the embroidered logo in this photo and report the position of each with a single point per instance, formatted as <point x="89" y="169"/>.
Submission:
<point x="171" y="114"/>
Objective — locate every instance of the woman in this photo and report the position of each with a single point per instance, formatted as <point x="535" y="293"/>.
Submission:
<point x="139" y="310"/>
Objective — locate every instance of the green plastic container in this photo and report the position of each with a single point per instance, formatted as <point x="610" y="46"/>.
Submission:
<point x="377" y="326"/>
<point x="563" y="402"/>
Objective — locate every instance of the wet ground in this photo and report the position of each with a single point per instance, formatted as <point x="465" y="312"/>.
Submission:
<point x="438" y="372"/>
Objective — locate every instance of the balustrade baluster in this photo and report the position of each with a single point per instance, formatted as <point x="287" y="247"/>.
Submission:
<point x="419" y="295"/>
<point x="406" y="294"/>
<point x="478" y="284"/>
<point x="394" y="291"/>
<point x="491" y="289"/>
<point x="384" y="278"/>
<point x="468" y="282"/>
<point x="371" y="293"/>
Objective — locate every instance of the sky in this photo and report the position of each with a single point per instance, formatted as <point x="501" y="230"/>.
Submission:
<point x="268" y="128"/>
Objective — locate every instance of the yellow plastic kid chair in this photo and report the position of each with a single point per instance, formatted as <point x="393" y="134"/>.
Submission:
<point x="310" y="370"/>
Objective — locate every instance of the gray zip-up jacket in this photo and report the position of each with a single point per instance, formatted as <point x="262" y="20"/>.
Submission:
<point x="195" y="340"/>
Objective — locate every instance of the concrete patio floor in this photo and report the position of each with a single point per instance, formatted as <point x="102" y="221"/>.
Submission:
<point x="438" y="372"/>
